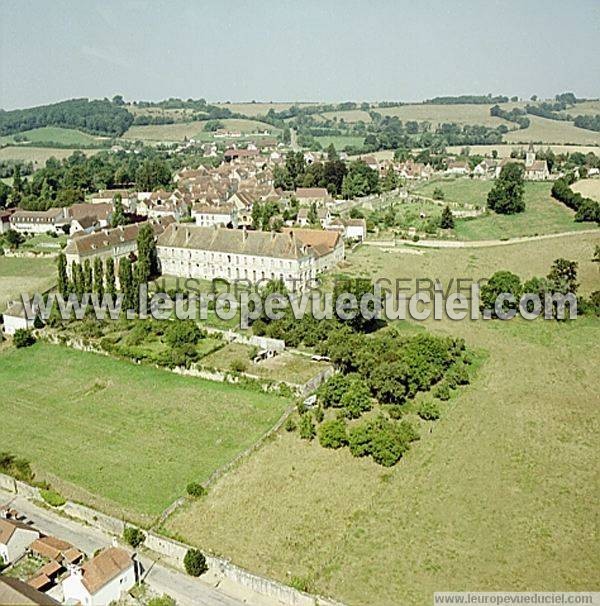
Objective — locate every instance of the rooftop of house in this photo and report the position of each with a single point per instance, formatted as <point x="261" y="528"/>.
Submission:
<point x="311" y="193"/>
<point x="14" y="591"/>
<point x="9" y="527"/>
<point x="104" y="567"/>
<point x="98" y="211"/>
<point x="37" y="215"/>
<point x="50" y="547"/>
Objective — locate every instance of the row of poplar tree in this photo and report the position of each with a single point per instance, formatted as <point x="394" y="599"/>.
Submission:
<point x="100" y="278"/>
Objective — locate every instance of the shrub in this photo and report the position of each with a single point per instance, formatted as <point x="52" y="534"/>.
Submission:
<point x="184" y="355"/>
<point x="19" y="469"/>
<point x="457" y="375"/>
<point x="442" y="392"/>
<point x="194" y="562"/>
<point x="38" y="322"/>
<point x="195" y="489"/>
<point x="332" y="434"/>
<point x="53" y="498"/>
<point x="164" y="600"/>
<point x="23" y="338"/>
<point x="356" y="400"/>
<point x="133" y="536"/>
<point x="290" y="424"/>
<point x="395" y="411"/>
<point x="238" y="365"/>
<point x="307" y="427"/>
<point x="429" y="411"/>
<point x="438" y="194"/>
<point x="183" y="332"/>
<point x="319" y="414"/>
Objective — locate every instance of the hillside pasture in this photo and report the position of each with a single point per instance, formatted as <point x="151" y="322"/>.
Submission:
<point x="340" y="142"/>
<point x="260" y="108"/>
<point x="481" y="501"/>
<point x="39" y="155"/>
<point x="127" y="438"/>
<point x="349" y="115"/>
<point x="585" y="108"/>
<point x="56" y="135"/>
<point x="542" y="130"/>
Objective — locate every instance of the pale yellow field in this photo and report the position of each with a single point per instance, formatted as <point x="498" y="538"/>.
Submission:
<point x="553" y="131"/>
<point x="352" y="115"/>
<point x="461" y="114"/>
<point x="39" y="155"/>
<point x="259" y="109"/>
<point x="588" y="187"/>
<point x="587" y="108"/>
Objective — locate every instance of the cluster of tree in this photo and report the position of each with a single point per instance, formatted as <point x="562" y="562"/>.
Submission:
<point x="265" y="216"/>
<point x="561" y="279"/>
<point x="63" y="183"/>
<point x="467" y="99"/>
<point x="516" y="115"/>
<point x="585" y="209"/>
<point x="506" y="196"/>
<point x="200" y="105"/>
<point x="589" y="122"/>
<point x="147" y="119"/>
<point x="549" y="110"/>
<point x="213" y="125"/>
<point x="99" y="117"/>
<point x="7" y="168"/>
<point x="360" y="180"/>
<point x="297" y="173"/>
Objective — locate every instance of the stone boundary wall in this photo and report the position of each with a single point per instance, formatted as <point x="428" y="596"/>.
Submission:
<point x="94" y="518"/>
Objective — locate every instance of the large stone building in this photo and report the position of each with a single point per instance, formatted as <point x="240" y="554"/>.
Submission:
<point x="117" y="243"/>
<point x="296" y="256"/>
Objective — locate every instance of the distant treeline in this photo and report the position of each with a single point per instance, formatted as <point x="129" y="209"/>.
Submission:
<point x="99" y="117"/>
<point x="214" y="112"/>
<point x="467" y="99"/>
<point x="589" y="122"/>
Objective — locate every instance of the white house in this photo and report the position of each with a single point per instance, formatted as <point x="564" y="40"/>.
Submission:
<point x="15" y="538"/>
<point x="458" y="167"/>
<point x="351" y="229"/>
<point x="295" y="256"/>
<point x="323" y="217"/>
<point x="102" y="580"/>
<point x="39" y="221"/>
<point x="15" y="318"/>
<point x="208" y="215"/>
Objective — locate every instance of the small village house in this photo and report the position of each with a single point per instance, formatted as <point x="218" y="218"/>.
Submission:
<point x="15" y="538"/>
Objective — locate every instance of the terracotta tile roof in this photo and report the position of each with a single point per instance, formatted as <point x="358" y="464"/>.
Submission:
<point x="14" y="591"/>
<point x="104" y="567"/>
<point x="107" y="238"/>
<point x="50" y="569"/>
<point x="320" y="241"/>
<point x="50" y="547"/>
<point x="8" y="527"/>
<point x="213" y="209"/>
<point x="98" y="211"/>
<point x="39" y="582"/>
<point x="39" y="216"/>
<point x="72" y="555"/>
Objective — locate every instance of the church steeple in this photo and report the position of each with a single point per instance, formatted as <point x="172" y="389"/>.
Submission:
<point x="530" y="156"/>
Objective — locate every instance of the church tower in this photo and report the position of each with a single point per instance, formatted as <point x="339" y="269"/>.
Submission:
<point x="530" y="156"/>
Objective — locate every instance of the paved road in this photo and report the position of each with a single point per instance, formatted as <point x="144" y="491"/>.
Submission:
<point x="187" y="591"/>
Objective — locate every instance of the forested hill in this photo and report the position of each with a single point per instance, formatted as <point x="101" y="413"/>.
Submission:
<point x="99" y="117"/>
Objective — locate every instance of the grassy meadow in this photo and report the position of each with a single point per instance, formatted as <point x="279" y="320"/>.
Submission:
<point x="56" y="135"/>
<point x="19" y="275"/>
<point x="39" y="155"/>
<point x="340" y="142"/>
<point x="496" y="494"/>
<point x="123" y="437"/>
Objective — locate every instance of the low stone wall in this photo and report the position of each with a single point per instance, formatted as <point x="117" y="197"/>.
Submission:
<point x="313" y="383"/>
<point x="7" y="483"/>
<point x="29" y="492"/>
<point x="175" y="551"/>
<point x="94" y="518"/>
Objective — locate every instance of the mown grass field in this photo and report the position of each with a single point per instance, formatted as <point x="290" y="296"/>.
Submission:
<point x="588" y="187"/>
<point x="19" y="275"/>
<point x="552" y="131"/>
<point x="543" y="214"/>
<point x="500" y="494"/>
<point x="119" y="436"/>
<point x="341" y="142"/>
<point x="57" y="135"/>
<point x="349" y="115"/>
<point x="259" y="108"/>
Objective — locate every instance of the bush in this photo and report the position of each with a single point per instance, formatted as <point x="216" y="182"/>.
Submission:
<point x="332" y="434"/>
<point x="457" y="375"/>
<point x="442" y="392"/>
<point x="164" y="600"/>
<point x="356" y="400"/>
<point x="307" y="427"/>
<point x="195" y="489"/>
<point x="183" y="332"/>
<point x="23" y="338"/>
<point x="395" y="411"/>
<point x="194" y="562"/>
<point x="53" y="498"/>
<point x="429" y="411"/>
<point x="319" y="414"/>
<point x="238" y="365"/>
<point x="20" y="469"/>
<point x="290" y="424"/>
<point x="133" y="536"/>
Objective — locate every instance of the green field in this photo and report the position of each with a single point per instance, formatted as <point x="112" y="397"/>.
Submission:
<point x="19" y="275"/>
<point x="123" y="437"/>
<point x="588" y="187"/>
<point x="498" y="494"/>
<point x="543" y="214"/>
<point x="57" y="135"/>
<point x="505" y="150"/>
<point x="340" y="142"/>
<point x="39" y="155"/>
